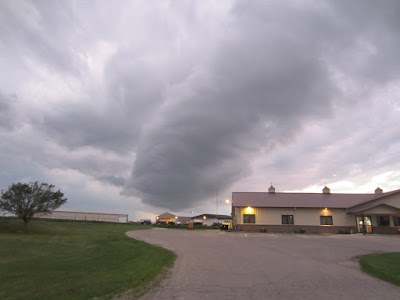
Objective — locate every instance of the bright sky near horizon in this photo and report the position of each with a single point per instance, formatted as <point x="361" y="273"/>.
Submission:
<point x="142" y="107"/>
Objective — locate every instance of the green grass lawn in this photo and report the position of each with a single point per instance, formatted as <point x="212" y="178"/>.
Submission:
<point x="75" y="260"/>
<point x="385" y="266"/>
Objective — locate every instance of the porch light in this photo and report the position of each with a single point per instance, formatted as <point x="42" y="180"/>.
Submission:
<point x="249" y="209"/>
<point x="204" y="217"/>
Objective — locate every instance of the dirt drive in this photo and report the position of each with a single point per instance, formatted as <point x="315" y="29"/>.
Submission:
<point x="231" y="265"/>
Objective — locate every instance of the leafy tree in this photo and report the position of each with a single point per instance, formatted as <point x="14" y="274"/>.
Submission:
<point x="27" y="199"/>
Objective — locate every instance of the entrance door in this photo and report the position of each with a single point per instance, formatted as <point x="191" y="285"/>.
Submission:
<point x="367" y="224"/>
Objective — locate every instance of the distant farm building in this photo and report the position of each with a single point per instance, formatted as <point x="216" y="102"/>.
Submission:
<point x="211" y="219"/>
<point x="203" y="219"/>
<point x="85" y="216"/>
<point x="166" y="218"/>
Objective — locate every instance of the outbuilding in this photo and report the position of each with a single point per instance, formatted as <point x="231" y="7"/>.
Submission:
<point x="212" y="219"/>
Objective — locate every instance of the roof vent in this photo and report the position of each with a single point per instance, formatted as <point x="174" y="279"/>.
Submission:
<point x="271" y="189"/>
<point x="326" y="190"/>
<point x="378" y="190"/>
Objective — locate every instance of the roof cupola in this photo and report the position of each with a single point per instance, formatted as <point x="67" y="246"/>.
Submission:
<point x="378" y="190"/>
<point x="271" y="189"/>
<point x="326" y="190"/>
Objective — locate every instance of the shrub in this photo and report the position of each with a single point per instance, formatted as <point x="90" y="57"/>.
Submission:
<point x="301" y="230"/>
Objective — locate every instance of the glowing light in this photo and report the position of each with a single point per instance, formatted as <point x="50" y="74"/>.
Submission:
<point x="227" y="201"/>
<point x="204" y="217"/>
<point x="249" y="210"/>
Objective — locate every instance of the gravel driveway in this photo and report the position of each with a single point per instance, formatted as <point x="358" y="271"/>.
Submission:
<point x="231" y="265"/>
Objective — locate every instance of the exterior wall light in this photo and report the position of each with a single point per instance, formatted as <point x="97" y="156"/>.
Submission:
<point x="249" y="210"/>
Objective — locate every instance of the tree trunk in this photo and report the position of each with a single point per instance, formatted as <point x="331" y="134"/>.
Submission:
<point x="26" y="225"/>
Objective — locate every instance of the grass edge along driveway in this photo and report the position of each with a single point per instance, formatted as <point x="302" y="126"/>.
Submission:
<point x="385" y="266"/>
<point x="76" y="260"/>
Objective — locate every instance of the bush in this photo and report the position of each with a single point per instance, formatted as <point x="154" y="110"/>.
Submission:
<point x="300" y="230"/>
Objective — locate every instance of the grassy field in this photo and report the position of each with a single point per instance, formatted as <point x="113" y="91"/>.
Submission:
<point x="75" y="260"/>
<point x="385" y="266"/>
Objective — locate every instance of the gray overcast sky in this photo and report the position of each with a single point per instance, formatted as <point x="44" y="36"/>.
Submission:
<point x="144" y="106"/>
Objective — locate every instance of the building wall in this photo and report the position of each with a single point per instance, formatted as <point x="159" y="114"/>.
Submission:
<point x="302" y="216"/>
<point x="210" y="221"/>
<point x="386" y="230"/>
<point x="167" y="220"/>
<point x="82" y="216"/>
<point x="374" y="221"/>
<point x="296" y="228"/>
<point x="381" y="210"/>
<point x="308" y="219"/>
<point x="393" y="200"/>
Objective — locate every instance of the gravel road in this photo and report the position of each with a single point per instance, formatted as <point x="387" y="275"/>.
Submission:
<point x="231" y="265"/>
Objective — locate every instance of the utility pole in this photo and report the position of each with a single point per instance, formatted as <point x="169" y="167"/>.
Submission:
<point x="217" y="202"/>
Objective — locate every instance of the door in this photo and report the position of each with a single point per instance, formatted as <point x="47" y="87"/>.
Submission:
<point x="367" y="224"/>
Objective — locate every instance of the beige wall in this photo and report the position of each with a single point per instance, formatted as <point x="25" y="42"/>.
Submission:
<point x="302" y="216"/>
<point x="82" y="216"/>
<point x="374" y="218"/>
<point x="393" y="200"/>
<point x="381" y="210"/>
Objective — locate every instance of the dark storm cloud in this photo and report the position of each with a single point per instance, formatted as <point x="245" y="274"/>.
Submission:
<point x="8" y="116"/>
<point x="368" y="39"/>
<point x="132" y="93"/>
<point x="193" y="93"/>
<point x="117" y="181"/>
<point x="83" y="127"/>
<point x="270" y="74"/>
<point x="41" y="30"/>
<point x="259" y="87"/>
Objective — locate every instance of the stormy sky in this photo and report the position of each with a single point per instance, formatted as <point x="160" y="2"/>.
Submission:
<point x="145" y="106"/>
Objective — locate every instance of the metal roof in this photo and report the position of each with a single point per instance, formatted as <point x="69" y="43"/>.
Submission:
<point x="213" y="216"/>
<point x="331" y="200"/>
<point x="166" y="215"/>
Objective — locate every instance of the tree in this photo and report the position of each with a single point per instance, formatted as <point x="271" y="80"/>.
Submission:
<point x="27" y="199"/>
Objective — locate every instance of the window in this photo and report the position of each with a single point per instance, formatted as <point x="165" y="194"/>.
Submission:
<point x="249" y="219"/>
<point x="326" y="220"/>
<point x="287" y="219"/>
<point x="396" y="221"/>
<point x="383" y="220"/>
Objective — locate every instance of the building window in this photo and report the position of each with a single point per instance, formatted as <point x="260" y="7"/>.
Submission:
<point x="396" y="221"/>
<point x="326" y="220"/>
<point x="249" y="219"/>
<point x="287" y="219"/>
<point x="383" y="220"/>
